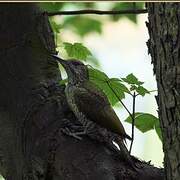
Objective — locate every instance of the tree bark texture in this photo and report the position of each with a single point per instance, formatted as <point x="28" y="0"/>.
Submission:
<point x="33" y="110"/>
<point x="164" y="47"/>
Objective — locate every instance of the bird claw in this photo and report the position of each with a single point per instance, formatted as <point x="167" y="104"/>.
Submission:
<point x="76" y="135"/>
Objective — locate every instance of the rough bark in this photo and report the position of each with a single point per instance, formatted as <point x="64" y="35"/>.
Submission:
<point x="33" y="110"/>
<point x="164" y="47"/>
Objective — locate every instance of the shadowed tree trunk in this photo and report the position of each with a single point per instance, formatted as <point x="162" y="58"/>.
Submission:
<point x="164" y="47"/>
<point x="33" y="110"/>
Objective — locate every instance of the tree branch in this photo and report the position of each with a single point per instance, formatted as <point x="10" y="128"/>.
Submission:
<point x="91" y="11"/>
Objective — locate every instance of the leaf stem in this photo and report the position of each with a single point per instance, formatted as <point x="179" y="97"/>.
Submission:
<point x="133" y="121"/>
<point x="98" y="12"/>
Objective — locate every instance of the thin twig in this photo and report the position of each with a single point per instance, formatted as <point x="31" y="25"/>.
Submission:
<point x="133" y="121"/>
<point x="92" y="11"/>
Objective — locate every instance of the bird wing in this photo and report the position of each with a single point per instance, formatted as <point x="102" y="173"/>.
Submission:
<point x="95" y="105"/>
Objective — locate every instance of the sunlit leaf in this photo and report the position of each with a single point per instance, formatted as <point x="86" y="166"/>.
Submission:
<point x="143" y="121"/>
<point x="133" y="88"/>
<point x="142" y="91"/>
<point x="126" y="6"/>
<point x="83" y="25"/>
<point x="112" y="87"/>
<point x="77" y="51"/>
<point x="97" y="75"/>
<point x="116" y="91"/>
<point x="115" y="83"/>
<point x="132" y="79"/>
<point x="93" y="60"/>
<point x="115" y="79"/>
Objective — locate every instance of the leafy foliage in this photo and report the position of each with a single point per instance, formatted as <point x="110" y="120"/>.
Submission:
<point x="52" y="6"/>
<point x="125" y="6"/>
<point x="131" y="79"/>
<point x="135" y="85"/>
<point x="112" y="87"/>
<point x="140" y="118"/>
<point x="142" y="91"/>
<point x="145" y="122"/>
<point x="97" y="75"/>
<point x="77" y="50"/>
<point x="115" y="91"/>
<point x="83" y="25"/>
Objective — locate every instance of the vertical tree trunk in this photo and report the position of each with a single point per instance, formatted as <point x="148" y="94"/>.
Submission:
<point x="164" y="47"/>
<point x="25" y="37"/>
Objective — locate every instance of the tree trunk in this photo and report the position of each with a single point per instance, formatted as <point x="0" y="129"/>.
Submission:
<point x="164" y="47"/>
<point x="33" y="110"/>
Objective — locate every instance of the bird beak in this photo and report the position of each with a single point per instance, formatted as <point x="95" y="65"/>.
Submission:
<point x="62" y="61"/>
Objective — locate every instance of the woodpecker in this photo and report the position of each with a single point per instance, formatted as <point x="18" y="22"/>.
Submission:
<point x="90" y="104"/>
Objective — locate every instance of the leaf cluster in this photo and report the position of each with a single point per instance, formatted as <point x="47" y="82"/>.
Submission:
<point x="125" y="6"/>
<point x="146" y="122"/>
<point x="83" y="25"/>
<point x="117" y="88"/>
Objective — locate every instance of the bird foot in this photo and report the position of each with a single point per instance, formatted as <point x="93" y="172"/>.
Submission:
<point x="76" y="135"/>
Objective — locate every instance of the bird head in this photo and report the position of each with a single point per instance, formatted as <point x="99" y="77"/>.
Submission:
<point x="76" y="71"/>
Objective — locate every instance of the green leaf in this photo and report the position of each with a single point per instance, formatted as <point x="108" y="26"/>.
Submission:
<point x="115" y="79"/>
<point x="158" y="129"/>
<point x="132" y="79"/>
<point x="116" y="84"/>
<point x="97" y="75"/>
<point x="111" y="95"/>
<point x="83" y="25"/>
<point x="76" y="50"/>
<point x="113" y="88"/>
<point x="115" y="91"/>
<point x="135" y="84"/>
<point x="142" y="91"/>
<point x="100" y="79"/>
<point x="125" y="6"/>
<point x="93" y="60"/>
<point x="143" y="121"/>
<point x="133" y="87"/>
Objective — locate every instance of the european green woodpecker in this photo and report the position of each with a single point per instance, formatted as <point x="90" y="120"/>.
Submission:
<point x="88" y="99"/>
<point x="88" y="102"/>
